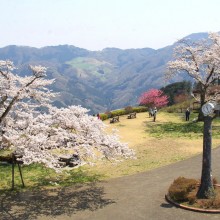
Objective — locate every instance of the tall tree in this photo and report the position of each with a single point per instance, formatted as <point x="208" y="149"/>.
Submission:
<point x="153" y="98"/>
<point x="177" y="89"/>
<point x="201" y="61"/>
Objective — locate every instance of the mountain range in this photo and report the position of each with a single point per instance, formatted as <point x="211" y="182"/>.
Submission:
<point x="98" y="80"/>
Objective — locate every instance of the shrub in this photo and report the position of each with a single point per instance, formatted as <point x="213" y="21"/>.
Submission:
<point x="104" y="116"/>
<point x="128" y="109"/>
<point x="109" y="114"/>
<point x="140" y="109"/>
<point x="205" y="203"/>
<point x="118" y="112"/>
<point x="170" y="109"/>
<point x="180" y="107"/>
<point x="191" y="197"/>
<point x="216" y="203"/>
<point x="181" y="187"/>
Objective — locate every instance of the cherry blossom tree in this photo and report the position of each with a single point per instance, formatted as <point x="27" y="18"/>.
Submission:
<point x="21" y="94"/>
<point x="32" y="127"/>
<point x="153" y="98"/>
<point x="201" y="61"/>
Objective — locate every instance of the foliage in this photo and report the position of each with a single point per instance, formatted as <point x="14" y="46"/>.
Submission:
<point x="180" y="98"/>
<point x="180" y="107"/>
<point x="140" y="109"/>
<point x="39" y="135"/>
<point x="104" y="116"/>
<point x="181" y="187"/>
<point x="140" y="70"/>
<point x="184" y="191"/>
<point x="118" y="112"/>
<point x="128" y="109"/>
<point x="201" y="62"/>
<point x="153" y="98"/>
<point x="177" y="89"/>
<point x="152" y="152"/>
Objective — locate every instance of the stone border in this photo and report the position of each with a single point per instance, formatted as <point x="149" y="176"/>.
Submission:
<point x="168" y="199"/>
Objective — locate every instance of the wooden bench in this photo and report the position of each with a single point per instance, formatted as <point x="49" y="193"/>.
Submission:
<point x="132" y="115"/>
<point x="69" y="160"/>
<point x="114" y="119"/>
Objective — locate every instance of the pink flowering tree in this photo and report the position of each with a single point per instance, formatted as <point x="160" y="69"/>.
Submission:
<point x="33" y="128"/>
<point x="153" y="98"/>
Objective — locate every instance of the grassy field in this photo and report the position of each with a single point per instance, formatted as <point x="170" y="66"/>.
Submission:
<point x="168" y="140"/>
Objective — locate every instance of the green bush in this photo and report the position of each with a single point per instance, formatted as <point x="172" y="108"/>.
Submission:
<point x="118" y="112"/>
<point x="128" y="109"/>
<point x="170" y="109"/>
<point x="109" y="114"/>
<point x="140" y="109"/>
<point x="104" y="116"/>
<point x="180" y="107"/>
<point x="181" y="187"/>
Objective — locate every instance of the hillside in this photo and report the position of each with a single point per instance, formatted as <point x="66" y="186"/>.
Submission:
<point x="98" y="80"/>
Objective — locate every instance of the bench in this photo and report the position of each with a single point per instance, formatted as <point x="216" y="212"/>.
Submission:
<point x="132" y="115"/>
<point x="114" y="119"/>
<point x="69" y="160"/>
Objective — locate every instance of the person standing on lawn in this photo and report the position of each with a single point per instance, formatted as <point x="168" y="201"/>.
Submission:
<point x="187" y="113"/>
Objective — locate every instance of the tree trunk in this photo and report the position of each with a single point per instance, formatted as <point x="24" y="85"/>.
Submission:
<point x="206" y="189"/>
<point x="200" y="115"/>
<point x="202" y="102"/>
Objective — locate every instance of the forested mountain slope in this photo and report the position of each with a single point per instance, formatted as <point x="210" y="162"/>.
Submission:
<point x="98" y="80"/>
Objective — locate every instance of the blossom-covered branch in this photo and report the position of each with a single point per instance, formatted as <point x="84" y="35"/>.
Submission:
<point x="153" y="98"/>
<point x="200" y="60"/>
<point x="39" y="137"/>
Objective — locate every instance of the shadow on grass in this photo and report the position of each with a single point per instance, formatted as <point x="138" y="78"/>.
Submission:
<point x="52" y="202"/>
<point x="37" y="176"/>
<point x="175" y="129"/>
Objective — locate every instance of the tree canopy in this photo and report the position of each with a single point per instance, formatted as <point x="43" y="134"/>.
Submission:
<point x="153" y="98"/>
<point x="177" y="89"/>
<point x="201" y="61"/>
<point x="33" y="128"/>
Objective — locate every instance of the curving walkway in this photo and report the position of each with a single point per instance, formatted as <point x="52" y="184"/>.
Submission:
<point x="135" y="197"/>
<point x="141" y="196"/>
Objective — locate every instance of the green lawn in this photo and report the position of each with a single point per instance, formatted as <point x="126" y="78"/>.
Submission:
<point x="168" y="140"/>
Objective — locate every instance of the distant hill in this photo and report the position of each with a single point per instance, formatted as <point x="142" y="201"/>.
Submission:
<point x="98" y="80"/>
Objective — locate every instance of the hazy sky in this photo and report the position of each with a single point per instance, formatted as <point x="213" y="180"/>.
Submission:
<point x="97" y="24"/>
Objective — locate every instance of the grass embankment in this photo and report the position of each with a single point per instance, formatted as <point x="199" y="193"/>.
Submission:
<point x="169" y="139"/>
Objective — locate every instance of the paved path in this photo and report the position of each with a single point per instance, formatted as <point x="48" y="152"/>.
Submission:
<point x="135" y="197"/>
